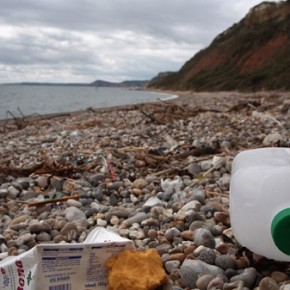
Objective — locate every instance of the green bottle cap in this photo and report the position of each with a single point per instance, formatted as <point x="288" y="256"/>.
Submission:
<point x="281" y="230"/>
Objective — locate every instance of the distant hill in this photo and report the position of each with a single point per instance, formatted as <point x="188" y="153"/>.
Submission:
<point x="253" y="54"/>
<point x="124" y="84"/>
<point x="99" y="83"/>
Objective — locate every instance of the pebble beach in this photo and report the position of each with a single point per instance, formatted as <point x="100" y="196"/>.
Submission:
<point x="157" y="174"/>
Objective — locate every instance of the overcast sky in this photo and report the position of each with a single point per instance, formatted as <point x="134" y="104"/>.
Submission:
<point x="114" y="40"/>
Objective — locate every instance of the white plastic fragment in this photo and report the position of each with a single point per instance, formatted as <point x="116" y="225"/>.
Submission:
<point x="63" y="266"/>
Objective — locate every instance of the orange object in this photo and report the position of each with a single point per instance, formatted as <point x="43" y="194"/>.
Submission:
<point x="136" y="270"/>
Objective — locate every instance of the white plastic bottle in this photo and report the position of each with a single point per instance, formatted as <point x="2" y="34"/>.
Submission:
<point x="260" y="201"/>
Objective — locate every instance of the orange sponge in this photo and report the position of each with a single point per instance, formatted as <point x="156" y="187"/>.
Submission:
<point x="136" y="270"/>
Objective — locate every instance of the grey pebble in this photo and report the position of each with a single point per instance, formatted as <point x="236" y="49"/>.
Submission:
<point x="36" y="228"/>
<point x="119" y="212"/>
<point x="137" y="218"/>
<point x="24" y="182"/>
<point x="95" y="179"/>
<point x="151" y="202"/>
<point x="216" y="283"/>
<point x="72" y="213"/>
<point x="13" y="192"/>
<point x="203" y="237"/>
<point x="194" y="204"/>
<point x="165" y="195"/>
<point x="208" y="256"/>
<point x="43" y="237"/>
<point x="27" y="194"/>
<point x="3" y="192"/>
<point x="225" y="262"/>
<point x="203" y="281"/>
<point x="73" y="202"/>
<point x="190" y="270"/>
<point x="170" y="266"/>
<point x="115" y="185"/>
<point x="194" y="169"/>
<point x="171" y="233"/>
<point x="248" y="276"/>
<point x="198" y="194"/>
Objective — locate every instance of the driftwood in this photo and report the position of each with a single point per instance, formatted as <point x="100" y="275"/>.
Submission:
<point x="55" y="200"/>
<point x="20" y="122"/>
<point x="48" y="166"/>
<point x="23" y="121"/>
<point x="164" y="112"/>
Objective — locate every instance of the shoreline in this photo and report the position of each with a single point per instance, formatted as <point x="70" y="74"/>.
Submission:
<point x="185" y="98"/>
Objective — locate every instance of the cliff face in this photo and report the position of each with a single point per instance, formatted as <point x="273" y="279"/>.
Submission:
<point x="253" y="54"/>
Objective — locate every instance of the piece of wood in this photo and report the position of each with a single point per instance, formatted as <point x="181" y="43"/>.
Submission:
<point x="55" y="200"/>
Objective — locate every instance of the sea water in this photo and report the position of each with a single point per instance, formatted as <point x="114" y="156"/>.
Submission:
<point x="49" y="99"/>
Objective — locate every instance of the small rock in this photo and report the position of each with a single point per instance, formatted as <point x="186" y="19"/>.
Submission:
<point x="224" y="181"/>
<point x="222" y="217"/>
<point x="279" y="276"/>
<point x="114" y="220"/>
<point x="119" y="212"/>
<point x="113" y="200"/>
<point x="203" y="281"/>
<point x="187" y="235"/>
<point x="194" y="169"/>
<point x="198" y="194"/>
<point x="225" y="262"/>
<point x="42" y="226"/>
<point x="3" y="192"/>
<point x="268" y="283"/>
<point x="152" y="234"/>
<point x="171" y="233"/>
<point x="13" y="192"/>
<point x="272" y="139"/>
<point x="137" y="191"/>
<point x="205" y="165"/>
<point x="95" y="179"/>
<point x="194" y="204"/>
<point x="24" y="182"/>
<point x="43" y="237"/>
<point x="151" y="202"/>
<point x="190" y="270"/>
<point x="74" y="214"/>
<point x="204" y="237"/>
<point x="140" y="183"/>
<point x="137" y="218"/>
<point x="69" y="232"/>
<point x="163" y="249"/>
<point x="57" y="183"/>
<point x="208" y="256"/>
<point x="115" y="185"/>
<point x="171" y="185"/>
<point x="73" y="202"/>
<point x="68" y="186"/>
<point x="170" y="266"/>
<point x="166" y="195"/>
<point x="136" y="234"/>
<point x="20" y="219"/>
<point x="248" y="276"/>
<point x="216" y="283"/>
<point x="177" y="256"/>
<point x="42" y="181"/>
<point x="101" y="223"/>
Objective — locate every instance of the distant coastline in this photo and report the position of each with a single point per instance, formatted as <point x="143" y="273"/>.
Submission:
<point x="98" y="83"/>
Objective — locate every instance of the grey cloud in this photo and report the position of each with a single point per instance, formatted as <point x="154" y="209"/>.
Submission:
<point x="112" y="39"/>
